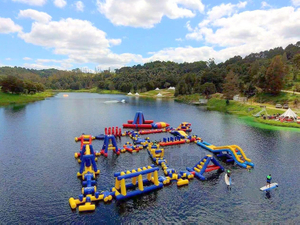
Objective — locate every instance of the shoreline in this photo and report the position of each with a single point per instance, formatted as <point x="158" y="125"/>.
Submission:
<point x="242" y="110"/>
<point x="7" y="99"/>
<point x="214" y="104"/>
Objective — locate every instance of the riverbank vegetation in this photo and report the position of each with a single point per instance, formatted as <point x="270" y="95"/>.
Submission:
<point x="249" y="110"/>
<point x="9" y="98"/>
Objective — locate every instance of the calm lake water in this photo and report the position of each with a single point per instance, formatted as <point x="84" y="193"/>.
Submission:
<point x="38" y="169"/>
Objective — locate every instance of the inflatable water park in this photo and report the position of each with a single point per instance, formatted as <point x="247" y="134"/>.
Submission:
<point x="133" y="182"/>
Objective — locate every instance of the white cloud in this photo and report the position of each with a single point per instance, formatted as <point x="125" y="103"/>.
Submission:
<point x="147" y="13"/>
<point x="296" y="2"/>
<point x="239" y="34"/>
<point x="215" y="13"/>
<point x="224" y="10"/>
<point x="79" y="40"/>
<point x="35" y="15"/>
<point x="8" y="26"/>
<point x="60" y="3"/>
<point x="265" y="5"/>
<point x="79" y="6"/>
<point x="41" y="66"/>
<point x="178" y="39"/>
<point x="183" y="54"/>
<point x="27" y="58"/>
<point x="32" y="2"/>
<point x="7" y="59"/>
<point x="188" y="26"/>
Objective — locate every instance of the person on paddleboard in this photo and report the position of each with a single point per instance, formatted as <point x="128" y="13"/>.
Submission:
<point x="269" y="178"/>
<point x="228" y="173"/>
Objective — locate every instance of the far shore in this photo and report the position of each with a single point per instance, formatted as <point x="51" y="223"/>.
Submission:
<point x="216" y="103"/>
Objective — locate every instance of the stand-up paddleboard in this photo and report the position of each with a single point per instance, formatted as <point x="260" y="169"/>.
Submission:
<point x="227" y="180"/>
<point x="269" y="187"/>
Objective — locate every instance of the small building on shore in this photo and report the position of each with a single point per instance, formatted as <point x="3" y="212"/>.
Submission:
<point x="239" y="98"/>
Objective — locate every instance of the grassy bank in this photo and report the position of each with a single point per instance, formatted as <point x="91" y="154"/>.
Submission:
<point x="190" y="99"/>
<point x="115" y="92"/>
<point x="281" y="98"/>
<point x="166" y="93"/>
<point x="247" y="110"/>
<point x="92" y="90"/>
<point x="7" y="99"/>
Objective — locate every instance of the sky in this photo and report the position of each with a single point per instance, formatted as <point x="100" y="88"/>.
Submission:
<point x="103" y="34"/>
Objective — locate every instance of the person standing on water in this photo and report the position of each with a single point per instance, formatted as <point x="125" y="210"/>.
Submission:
<point x="228" y="173"/>
<point x="269" y="178"/>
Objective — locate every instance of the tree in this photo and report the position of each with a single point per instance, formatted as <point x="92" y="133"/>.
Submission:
<point x="12" y="84"/>
<point x="275" y="76"/>
<point x="207" y="89"/>
<point x="296" y="65"/>
<point x="181" y="88"/>
<point x="231" y="85"/>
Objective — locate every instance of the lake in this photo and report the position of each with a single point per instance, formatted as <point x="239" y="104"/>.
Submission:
<point x="38" y="168"/>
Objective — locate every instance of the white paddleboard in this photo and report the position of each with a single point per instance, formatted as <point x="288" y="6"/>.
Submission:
<point x="269" y="187"/>
<point x="227" y="180"/>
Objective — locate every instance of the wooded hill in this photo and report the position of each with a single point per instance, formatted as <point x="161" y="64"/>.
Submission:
<point x="268" y="71"/>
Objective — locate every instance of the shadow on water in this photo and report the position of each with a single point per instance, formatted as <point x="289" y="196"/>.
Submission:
<point x="140" y="202"/>
<point x="15" y="108"/>
<point x="268" y="194"/>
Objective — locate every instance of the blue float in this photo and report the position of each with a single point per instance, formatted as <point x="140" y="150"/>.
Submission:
<point x="203" y="166"/>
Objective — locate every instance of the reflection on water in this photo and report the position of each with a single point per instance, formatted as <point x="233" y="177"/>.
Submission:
<point x="38" y="169"/>
<point x="16" y="108"/>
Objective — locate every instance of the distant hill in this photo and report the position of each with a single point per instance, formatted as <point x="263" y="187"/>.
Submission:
<point x="189" y="78"/>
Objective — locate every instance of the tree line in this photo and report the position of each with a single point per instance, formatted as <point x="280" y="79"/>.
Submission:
<point x="15" y="85"/>
<point x="268" y="71"/>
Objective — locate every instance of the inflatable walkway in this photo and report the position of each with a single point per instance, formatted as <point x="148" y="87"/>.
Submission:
<point x="234" y="152"/>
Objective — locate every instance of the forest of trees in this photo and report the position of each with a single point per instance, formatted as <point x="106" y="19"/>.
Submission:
<point x="266" y="72"/>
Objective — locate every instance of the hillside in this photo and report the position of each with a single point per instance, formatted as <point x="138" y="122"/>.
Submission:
<point x="248" y="75"/>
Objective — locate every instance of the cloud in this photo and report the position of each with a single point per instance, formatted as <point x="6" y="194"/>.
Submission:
<point x="80" y="40"/>
<point x="239" y="34"/>
<point x="79" y="6"/>
<point x="7" y="59"/>
<point x="27" y="58"/>
<point x="265" y="5"/>
<point x="224" y="10"/>
<point x="41" y="66"/>
<point x="217" y="12"/>
<point x="183" y="54"/>
<point x="8" y="26"/>
<point x="60" y="3"/>
<point x="188" y="26"/>
<point x="296" y="2"/>
<point x="32" y="2"/>
<point x="35" y="15"/>
<point x="147" y="13"/>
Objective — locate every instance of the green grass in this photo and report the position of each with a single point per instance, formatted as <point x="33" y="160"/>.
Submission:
<point x="277" y="123"/>
<point x="189" y="98"/>
<point x="242" y="109"/>
<point x="238" y="108"/>
<point x="7" y="99"/>
<point x="108" y="91"/>
<point x="92" y="90"/>
<point x="265" y="125"/>
<point x="153" y="94"/>
<point x="281" y="98"/>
